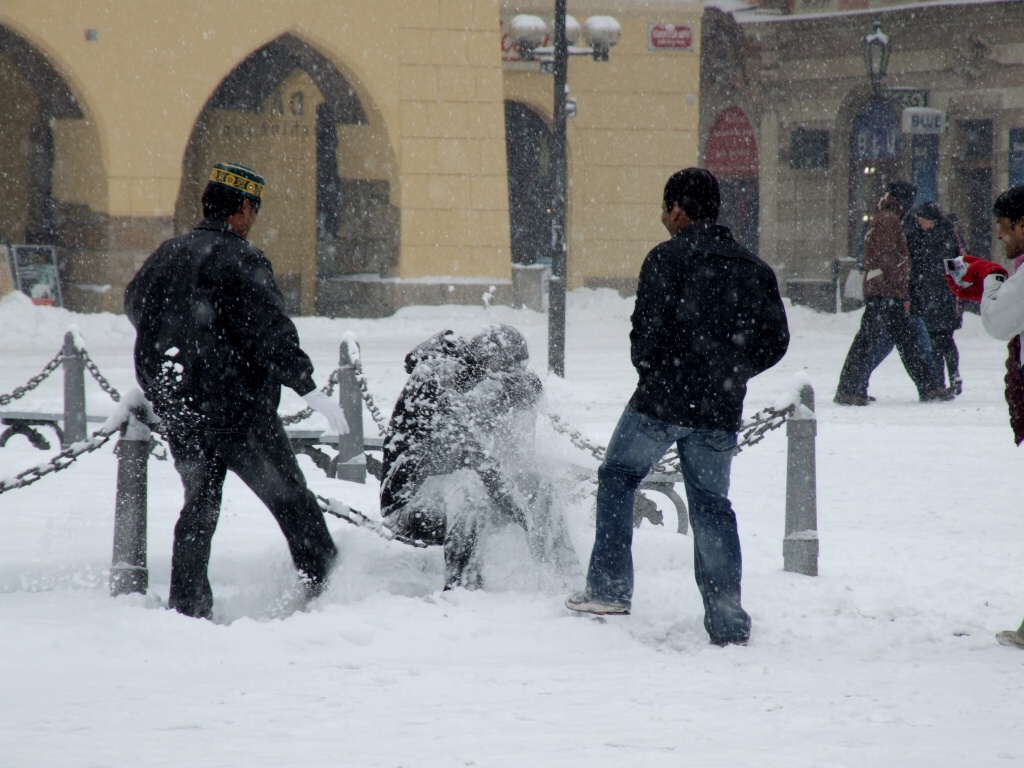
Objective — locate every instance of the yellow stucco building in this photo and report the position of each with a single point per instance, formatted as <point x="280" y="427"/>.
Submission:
<point x="404" y="146"/>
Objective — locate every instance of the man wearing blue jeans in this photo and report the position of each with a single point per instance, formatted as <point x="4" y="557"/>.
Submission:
<point x="708" y="317"/>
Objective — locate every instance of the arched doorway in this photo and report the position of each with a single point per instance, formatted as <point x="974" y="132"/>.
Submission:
<point x="530" y="184"/>
<point x="731" y="154"/>
<point x="281" y="111"/>
<point x="876" y="153"/>
<point x="34" y="96"/>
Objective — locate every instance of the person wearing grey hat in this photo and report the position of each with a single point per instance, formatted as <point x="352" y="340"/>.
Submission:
<point x="213" y="348"/>
<point x="708" y="318"/>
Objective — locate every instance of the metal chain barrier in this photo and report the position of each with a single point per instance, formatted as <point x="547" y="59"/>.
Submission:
<point x="327" y="389"/>
<point x="358" y="519"/>
<point x="378" y="417"/>
<point x="757" y="426"/>
<point x="34" y="382"/>
<point x="62" y="460"/>
<point x="752" y="431"/>
<point x="663" y="467"/>
<point x="105" y="385"/>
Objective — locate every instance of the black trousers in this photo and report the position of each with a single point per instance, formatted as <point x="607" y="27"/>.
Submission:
<point x="945" y="354"/>
<point x="258" y="451"/>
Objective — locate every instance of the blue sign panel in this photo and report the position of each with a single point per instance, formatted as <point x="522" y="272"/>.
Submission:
<point x="924" y="167"/>
<point x="1016" y="156"/>
<point x="876" y="132"/>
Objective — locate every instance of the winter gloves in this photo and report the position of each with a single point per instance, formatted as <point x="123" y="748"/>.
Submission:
<point x="973" y="282"/>
<point x="329" y="409"/>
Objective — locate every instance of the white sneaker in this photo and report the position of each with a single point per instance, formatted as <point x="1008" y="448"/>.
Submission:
<point x="579" y="601"/>
<point x="1011" y="638"/>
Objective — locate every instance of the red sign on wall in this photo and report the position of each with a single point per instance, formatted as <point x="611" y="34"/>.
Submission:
<point x="731" y="150"/>
<point x="670" y="37"/>
<point x="509" y="51"/>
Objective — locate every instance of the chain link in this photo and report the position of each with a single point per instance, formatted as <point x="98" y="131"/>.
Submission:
<point x="752" y="432"/>
<point x="757" y="426"/>
<point x="34" y="382"/>
<point x="378" y="417"/>
<point x="62" y="460"/>
<point x="327" y="389"/>
<point x="105" y="385"/>
<point x="666" y="466"/>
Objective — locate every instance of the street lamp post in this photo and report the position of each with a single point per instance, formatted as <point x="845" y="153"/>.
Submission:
<point x="556" y="291"/>
<point x="601" y="33"/>
<point x="875" y="47"/>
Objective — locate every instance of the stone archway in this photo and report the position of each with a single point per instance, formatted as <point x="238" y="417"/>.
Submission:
<point x="530" y="183"/>
<point x="731" y="154"/>
<point x="876" y="158"/>
<point x="34" y="96"/>
<point x="287" y="111"/>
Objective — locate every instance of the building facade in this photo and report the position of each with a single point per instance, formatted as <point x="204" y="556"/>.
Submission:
<point x="805" y="141"/>
<point x="404" y="144"/>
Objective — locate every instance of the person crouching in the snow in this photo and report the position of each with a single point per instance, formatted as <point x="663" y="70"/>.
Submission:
<point x="458" y="451"/>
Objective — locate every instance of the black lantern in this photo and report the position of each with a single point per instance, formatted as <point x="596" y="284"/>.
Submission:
<point x="875" y="48"/>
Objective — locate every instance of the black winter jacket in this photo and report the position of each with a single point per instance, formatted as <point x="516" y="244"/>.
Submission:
<point x="213" y="342"/>
<point x="708" y="318"/>
<point x="930" y="297"/>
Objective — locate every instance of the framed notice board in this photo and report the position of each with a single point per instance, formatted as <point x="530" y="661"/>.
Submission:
<point x="37" y="273"/>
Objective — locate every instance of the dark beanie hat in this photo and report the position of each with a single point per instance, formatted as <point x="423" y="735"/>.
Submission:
<point x="696" y="191"/>
<point x="1010" y="204"/>
<point x="903" y="192"/>
<point x="931" y="211"/>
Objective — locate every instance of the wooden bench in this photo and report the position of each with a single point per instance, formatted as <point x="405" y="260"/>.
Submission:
<point x="25" y="423"/>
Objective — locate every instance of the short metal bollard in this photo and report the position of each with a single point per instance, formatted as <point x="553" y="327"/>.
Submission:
<point x="351" y="461"/>
<point x="800" y="546"/>
<point x="128" y="571"/>
<point x="73" y="363"/>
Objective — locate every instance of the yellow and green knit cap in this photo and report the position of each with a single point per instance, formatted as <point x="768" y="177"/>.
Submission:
<point x="239" y="177"/>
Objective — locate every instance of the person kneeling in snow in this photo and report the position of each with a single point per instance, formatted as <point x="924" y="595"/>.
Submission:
<point x="458" y="451"/>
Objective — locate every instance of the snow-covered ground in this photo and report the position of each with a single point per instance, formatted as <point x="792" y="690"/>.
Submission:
<point x="885" y="659"/>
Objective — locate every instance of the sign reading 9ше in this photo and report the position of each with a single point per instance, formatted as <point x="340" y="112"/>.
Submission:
<point x="670" y="37"/>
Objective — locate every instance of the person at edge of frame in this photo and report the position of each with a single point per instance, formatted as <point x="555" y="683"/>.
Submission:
<point x="1002" y="315"/>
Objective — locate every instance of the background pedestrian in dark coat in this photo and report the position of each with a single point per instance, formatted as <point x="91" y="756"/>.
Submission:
<point x="931" y="240"/>
<point x="212" y="350"/>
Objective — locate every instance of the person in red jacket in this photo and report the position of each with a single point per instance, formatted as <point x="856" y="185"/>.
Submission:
<point x="1002" y="315"/>
<point x="887" y="306"/>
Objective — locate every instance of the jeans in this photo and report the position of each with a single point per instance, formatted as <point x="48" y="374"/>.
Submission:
<point x="705" y="456"/>
<point x="884" y="344"/>
<point x="886" y="323"/>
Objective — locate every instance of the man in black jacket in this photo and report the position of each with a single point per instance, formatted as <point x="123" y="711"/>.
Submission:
<point x="212" y="349"/>
<point x="708" y="317"/>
